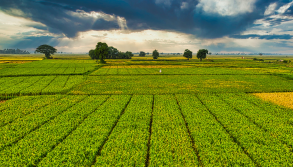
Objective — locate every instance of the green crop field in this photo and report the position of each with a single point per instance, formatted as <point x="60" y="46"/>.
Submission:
<point x="71" y="111"/>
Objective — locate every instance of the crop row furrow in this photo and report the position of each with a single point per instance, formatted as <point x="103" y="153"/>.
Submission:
<point x="21" y="127"/>
<point x="277" y="127"/>
<point x="270" y="108"/>
<point x="215" y="146"/>
<point x="264" y="149"/>
<point x="82" y="146"/>
<point x="35" y="146"/>
<point x="127" y="144"/>
<point x="170" y="142"/>
<point x="27" y="106"/>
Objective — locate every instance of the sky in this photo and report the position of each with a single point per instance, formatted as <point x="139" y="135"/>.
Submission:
<point x="170" y="26"/>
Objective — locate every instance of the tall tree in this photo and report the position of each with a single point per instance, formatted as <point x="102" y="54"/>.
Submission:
<point x="92" y="54"/>
<point x="155" y="54"/>
<point x="128" y="55"/>
<point x="187" y="54"/>
<point x="47" y="50"/>
<point x="202" y="54"/>
<point x="113" y="53"/>
<point x="142" y="54"/>
<point x="101" y="51"/>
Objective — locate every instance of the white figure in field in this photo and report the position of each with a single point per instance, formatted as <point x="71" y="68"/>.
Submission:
<point x="160" y="71"/>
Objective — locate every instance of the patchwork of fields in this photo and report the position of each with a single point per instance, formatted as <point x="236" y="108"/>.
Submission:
<point x="133" y="115"/>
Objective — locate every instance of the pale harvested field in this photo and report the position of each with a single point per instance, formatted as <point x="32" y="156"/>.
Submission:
<point x="284" y="99"/>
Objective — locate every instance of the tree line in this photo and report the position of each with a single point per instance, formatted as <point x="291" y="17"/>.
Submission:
<point x="201" y="54"/>
<point x="102" y="52"/>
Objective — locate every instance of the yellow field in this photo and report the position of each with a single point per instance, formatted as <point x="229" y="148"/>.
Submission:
<point x="284" y="99"/>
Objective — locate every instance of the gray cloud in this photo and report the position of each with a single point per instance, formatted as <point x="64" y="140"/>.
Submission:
<point x="63" y="16"/>
<point x="267" y="37"/>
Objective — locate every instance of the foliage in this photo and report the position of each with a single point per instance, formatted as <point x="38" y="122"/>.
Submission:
<point x="36" y="85"/>
<point x="167" y="84"/>
<point x="92" y="54"/>
<point x="165" y="144"/>
<point x="210" y="134"/>
<point x="47" y="50"/>
<point x="269" y="149"/>
<point x="128" y="55"/>
<point x="142" y="54"/>
<point x="187" y="54"/>
<point x="155" y="54"/>
<point x="101" y="51"/>
<point x="145" y="119"/>
<point x="110" y="53"/>
<point x="89" y="134"/>
<point x="113" y="53"/>
<point x="202" y="54"/>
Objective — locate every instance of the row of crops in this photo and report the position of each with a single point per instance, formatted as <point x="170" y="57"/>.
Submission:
<point x="170" y="84"/>
<point x="34" y="85"/>
<point x="145" y="130"/>
<point x="50" y="67"/>
<point x="184" y="70"/>
<point x="44" y="71"/>
<point x="58" y="63"/>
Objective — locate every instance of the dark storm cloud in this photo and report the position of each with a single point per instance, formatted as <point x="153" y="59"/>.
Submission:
<point x="170" y="15"/>
<point x="267" y="37"/>
<point x="35" y="41"/>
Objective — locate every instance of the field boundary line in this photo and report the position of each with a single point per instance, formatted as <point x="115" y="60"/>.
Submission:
<point x="147" y="160"/>
<point x="98" y="153"/>
<point x="189" y="134"/>
<point x="32" y="84"/>
<point x="91" y="71"/>
<point x="260" y="106"/>
<point x="259" y="126"/>
<point x="227" y="131"/>
<point x="61" y="140"/>
<point x="166" y="74"/>
<point x="262" y="128"/>
<point x="12" y="85"/>
<point x="65" y="82"/>
<point x="34" y="129"/>
<point x="48" y="84"/>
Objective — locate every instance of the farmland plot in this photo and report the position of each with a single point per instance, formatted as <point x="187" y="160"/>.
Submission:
<point x="38" y="84"/>
<point x="152" y="130"/>
<point x="170" y="84"/>
<point x="70" y="113"/>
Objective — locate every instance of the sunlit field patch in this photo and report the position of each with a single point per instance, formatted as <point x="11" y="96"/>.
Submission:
<point x="284" y="99"/>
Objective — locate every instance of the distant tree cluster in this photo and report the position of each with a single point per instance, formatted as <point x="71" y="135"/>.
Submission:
<point x="201" y="54"/>
<point x="142" y="54"/>
<point x="14" y="51"/>
<point x="103" y="52"/>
